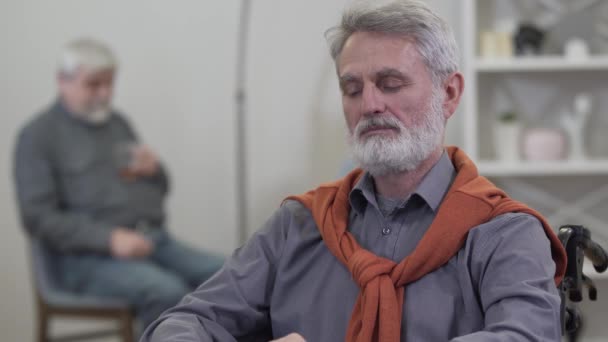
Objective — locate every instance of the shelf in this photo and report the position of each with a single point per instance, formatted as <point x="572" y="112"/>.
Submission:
<point x="550" y="168"/>
<point x="533" y="64"/>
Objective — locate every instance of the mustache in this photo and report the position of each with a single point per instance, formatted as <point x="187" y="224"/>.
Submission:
<point x="377" y="122"/>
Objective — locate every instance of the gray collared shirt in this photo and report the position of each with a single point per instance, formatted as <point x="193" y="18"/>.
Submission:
<point x="498" y="287"/>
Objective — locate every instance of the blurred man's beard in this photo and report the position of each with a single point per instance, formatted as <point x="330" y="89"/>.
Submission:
<point x="382" y="155"/>
<point x="98" y="114"/>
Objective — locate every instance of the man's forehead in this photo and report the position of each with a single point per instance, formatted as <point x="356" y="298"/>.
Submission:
<point x="371" y="53"/>
<point x="95" y="73"/>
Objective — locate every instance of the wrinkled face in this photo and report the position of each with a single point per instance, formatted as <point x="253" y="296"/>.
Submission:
<point x="87" y="93"/>
<point x="393" y="111"/>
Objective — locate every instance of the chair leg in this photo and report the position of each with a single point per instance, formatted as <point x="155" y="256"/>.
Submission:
<point x="43" y="323"/>
<point x="126" y="323"/>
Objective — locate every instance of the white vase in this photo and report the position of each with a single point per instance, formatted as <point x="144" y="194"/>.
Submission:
<point x="506" y="141"/>
<point x="543" y="144"/>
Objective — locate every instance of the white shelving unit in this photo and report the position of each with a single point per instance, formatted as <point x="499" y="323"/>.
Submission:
<point x="538" y="64"/>
<point x="483" y="75"/>
<point x="557" y="168"/>
<point x="533" y="77"/>
<point x="566" y="192"/>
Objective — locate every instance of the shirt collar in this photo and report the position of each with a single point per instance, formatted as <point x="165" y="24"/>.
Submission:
<point x="437" y="181"/>
<point x="432" y="188"/>
<point x="59" y="107"/>
<point x="363" y="193"/>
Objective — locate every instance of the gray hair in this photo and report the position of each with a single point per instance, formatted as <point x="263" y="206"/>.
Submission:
<point x="88" y="53"/>
<point x="433" y="37"/>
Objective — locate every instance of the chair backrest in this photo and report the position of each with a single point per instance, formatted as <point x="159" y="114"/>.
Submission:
<point x="44" y="268"/>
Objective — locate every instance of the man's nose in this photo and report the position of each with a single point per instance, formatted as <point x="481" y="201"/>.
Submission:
<point x="372" y="102"/>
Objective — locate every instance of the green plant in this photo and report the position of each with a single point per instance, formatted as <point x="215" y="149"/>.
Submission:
<point x="508" y="117"/>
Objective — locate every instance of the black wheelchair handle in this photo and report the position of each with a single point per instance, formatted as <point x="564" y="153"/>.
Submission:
<point x="597" y="255"/>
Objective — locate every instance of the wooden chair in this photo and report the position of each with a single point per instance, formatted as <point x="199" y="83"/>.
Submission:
<point x="54" y="301"/>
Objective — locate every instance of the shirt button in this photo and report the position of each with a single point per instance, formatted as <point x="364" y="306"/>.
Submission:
<point x="386" y="231"/>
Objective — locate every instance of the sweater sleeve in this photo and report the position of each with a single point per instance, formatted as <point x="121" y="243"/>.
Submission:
<point x="40" y="204"/>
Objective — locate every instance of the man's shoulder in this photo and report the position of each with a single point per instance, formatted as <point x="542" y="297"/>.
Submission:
<point x="121" y="121"/>
<point x="293" y="219"/>
<point x="507" y="221"/>
<point x="509" y="226"/>
<point x="296" y="210"/>
<point x="120" y="117"/>
<point x="39" y="124"/>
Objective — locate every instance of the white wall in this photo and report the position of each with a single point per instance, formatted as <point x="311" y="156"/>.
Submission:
<point x="176" y="84"/>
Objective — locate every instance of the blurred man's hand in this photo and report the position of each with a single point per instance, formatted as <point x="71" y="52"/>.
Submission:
<point x="291" y="338"/>
<point x="144" y="162"/>
<point x="127" y="244"/>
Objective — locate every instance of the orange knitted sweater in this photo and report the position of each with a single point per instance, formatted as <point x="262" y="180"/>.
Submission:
<point x="470" y="201"/>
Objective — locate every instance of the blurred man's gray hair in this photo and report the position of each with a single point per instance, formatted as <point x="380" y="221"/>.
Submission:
<point x="433" y="37"/>
<point x="86" y="53"/>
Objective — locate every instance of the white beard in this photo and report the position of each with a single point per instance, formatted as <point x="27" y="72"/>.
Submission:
<point x="98" y="115"/>
<point x="381" y="155"/>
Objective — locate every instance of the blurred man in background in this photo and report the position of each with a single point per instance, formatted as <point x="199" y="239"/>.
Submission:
<point x="92" y="192"/>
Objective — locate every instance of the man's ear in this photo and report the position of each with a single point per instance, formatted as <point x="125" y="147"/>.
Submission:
<point x="453" y="88"/>
<point x="64" y="80"/>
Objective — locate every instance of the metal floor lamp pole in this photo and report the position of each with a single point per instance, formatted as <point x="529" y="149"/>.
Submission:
<point x="241" y="137"/>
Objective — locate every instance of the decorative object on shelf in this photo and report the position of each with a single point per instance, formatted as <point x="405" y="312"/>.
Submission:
<point x="506" y="137"/>
<point x="576" y="49"/>
<point x="528" y="40"/>
<point x="574" y="122"/>
<point x="499" y="42"/>
<point x="544" y="144"/>
<point x="488" y="46"/>
<point x="596" y="135"/>
<point x="495" y="44"/>
<point x="564" y="20"/>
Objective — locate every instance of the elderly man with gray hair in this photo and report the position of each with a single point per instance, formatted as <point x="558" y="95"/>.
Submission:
<point x="414" y="245"/>
<point x="92" y="192"/>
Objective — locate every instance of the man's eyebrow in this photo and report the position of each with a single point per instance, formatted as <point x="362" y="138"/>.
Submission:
<point x="348" y="78"/>
<point x="391" y="72"/>
<point x="382" y="73"/>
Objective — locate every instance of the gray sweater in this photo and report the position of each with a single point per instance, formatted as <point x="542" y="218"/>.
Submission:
<point x="69" y="189"/>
